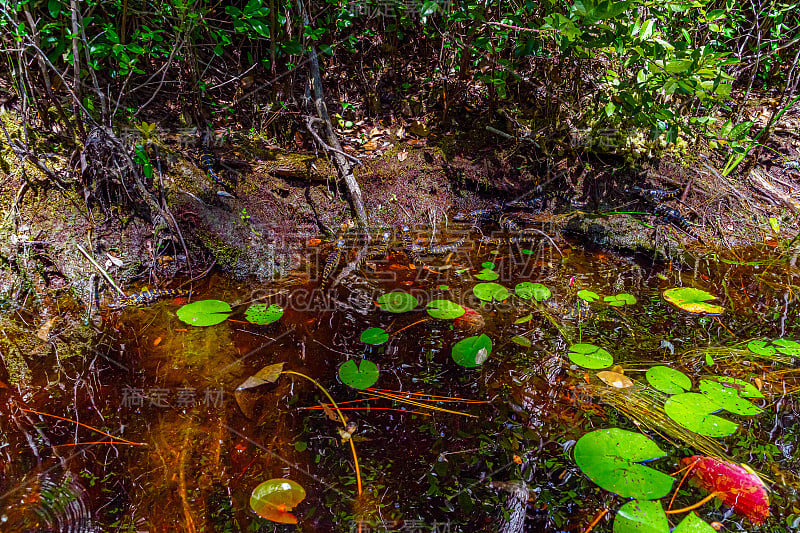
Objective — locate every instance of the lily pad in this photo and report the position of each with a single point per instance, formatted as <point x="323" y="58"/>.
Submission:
<point x="640" y="516"/>
<point x="611" y="457"/>
<point x="730" y="398"/>
<point x="618" y="300"/>
<point x="488" y="264"/>
<point x="527" y="290"/>
<point x="490" y="291"/>
<point x="443" y="287"/>
<point x="374" y="336"/>
<point x="204" y="312"/>
<point x="487" y="274"/>
<point x="692" y="300"/>
<point x="445" y="309"/>
<point x="589" y="296"/>
<point x="472" y="351"/>
<point x="668" y="380"/>
<point x="787" y="347"/>
<point x="695" y="412"/>
<point x="274" y="499"/>
<point x="522" y="341"/>
<point x="761" y="348"/>
<point x="397" y="302"/>
<point x="590" y="356"/>
<point x="615" y="379"/>
<point x="693" y="524"/>
<point x="358" y="376"/>
<point x="262" y="314"/>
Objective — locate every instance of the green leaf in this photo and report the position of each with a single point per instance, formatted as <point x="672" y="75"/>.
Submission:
<point x="54" y="7"/>
<point x="611" y="457"/>
<point x="487" y="275"/>
<point x="472" y="351"/>
<point x="589" y="296"/>
<point x="488" y="264"/>
<point x="443" y="287"/>
<point x="694" y="412"/>
<point x="760" y="348"/>
<point x="524" y="319"/>
<point x="618" y="300"/>
<point x="693" y="524"/>
<point x="358" y="377"/>
<point x="274" y="499"/>
<point x="374" y="336"/>
<point x="728" y="398"/>
<point x="527" y="290"/>
<point x="490" y="291"/>
<point x="590" y="356"/>
<point x="668" y="380"/>
<point x="692" y="300"/>
<point x="787" y="347"/>
<point x="522" y="341"/>
<point x="262" y="314"/>
<point x="397" y="302"/>
<point x="445" y="309"/>
<point x="204" y="312"/>
<point x="640" y="516"/>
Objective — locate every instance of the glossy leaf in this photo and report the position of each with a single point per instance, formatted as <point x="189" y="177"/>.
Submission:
<point x="204" y="312"/>
<point x="358" y="376"/>
<point x="618" y="300"/>
<point x="445" y="309"/>
<point x="730" y="398"/>
<point x="615" y="379"/>
<point x="490" y="291"/>
<point x="611" y="457"/>
<point x="787" y="347"/>
<point x="668" y="380"/>
<point x="487" y="274"/>
<point x="374" y="336"/>
<point x="590" y="356"/>
<point x="641" y="516"/>
<point x="695" y="412"/>
<point x="693" y="524"/>
<point x="528" y="290"/>
<point x="274" y="499"/>
<point x="522" y="341"/>
<point x="262" y="314"/>
<point x="761" y="348"/>
<point x="472" y="351"/>
<point x="524" y="319"/>
<point x="692" y="300"/>
<point x="397" y="302"/>
<point x="589" y="296"/>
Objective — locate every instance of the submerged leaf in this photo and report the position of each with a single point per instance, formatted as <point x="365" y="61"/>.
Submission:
<point x="274" y="499"/>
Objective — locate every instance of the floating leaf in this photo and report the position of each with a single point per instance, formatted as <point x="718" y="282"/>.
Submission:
<point x="524" y="319"/>
<point x="787" y="347"/>
<point x="589" y="296"/>
<point x="374" y="336"/>
<point x="487" y="274"/>
<point x="445" y="309"/>
<point x="735" y="485"/>
<point x="274" y="499"/>
<point x="262" y="314"/>
<point x="615" y="379"/>
<point x="694" y="412"/>
<point x="488" y="264"/>
<point x="692" y="300"/>
<point x="490" y="291"/>
<point x="358" y="377"/>
<point x="611" y="457"/>
<point x="204" y="312"/>
<point x="526" y="251"/>
<point x="443" y="287"/>
<point x="761" y="348"/>
<point x="730" y="398"/>
<point x="268" y="374"/>
<point x="522" y="341"/>
<point x="527" y="290"/>
<point x="590" y="356"/>
<point x="639" y="516"/>
<point x="693" y="524"/>
<point x="472" y="351"/>
<point x="668" y="380"/>
<point x="397" y="302"/>
<point x="618" y="300"/>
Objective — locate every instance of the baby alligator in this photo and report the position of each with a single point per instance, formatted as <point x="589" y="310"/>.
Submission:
<point x="148" y="297"/>
<point x="655" y="196"/>
<point x="332" y="262"/>
<point x="509" y="240"/>
<point x="673" y="216"/>
<point x="207" y="162"/>
<point x="411" y="250"/>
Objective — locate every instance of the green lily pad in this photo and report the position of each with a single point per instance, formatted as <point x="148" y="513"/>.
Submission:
<point x="787" y="347"/>
<point x="445" y="309"/>
<point x="692" y="300"/>
<point x="589" y="296"/>
<point x="527" y="290"/>
<point x="487" y="274"/>
<point x="397" y="302"/>
<point x="472" y="351"/>
<point x="526" y="251"/>
<point x="262" y="314"/>
<point x="590" y="356"/>
<point x="618" y="300"/>
<point x="761" y="348"/>
<point x="668" y="380"/>
<point x="204" y="312"/>
<point x="374" y="336"/>
<point x="641" y="516"/>
<point x="358" y="376"/>
<point x="729" y="398"/>
<point x="274" y="499"/>
<point x="693" y="524"/>
<point x="522" y="341"/>
<point x="611" y="457"/>
<point x="694" y="412"/>
<point x="443" y="287"/>
<point x="490" y="291"/>
<point x="488" y="264"/>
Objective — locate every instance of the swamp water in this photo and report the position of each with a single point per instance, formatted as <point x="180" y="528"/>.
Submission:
<point x="444" y="458"/>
